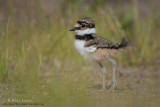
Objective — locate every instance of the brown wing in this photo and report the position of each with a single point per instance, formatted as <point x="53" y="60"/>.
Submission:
<point x="101" y="43"/>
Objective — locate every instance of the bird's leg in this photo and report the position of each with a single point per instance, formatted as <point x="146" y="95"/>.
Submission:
<point x="113" y="73"/>
<point x="104" y="75"/>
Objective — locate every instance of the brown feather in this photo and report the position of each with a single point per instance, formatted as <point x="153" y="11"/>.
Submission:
<point x="101" y="43"/>
<point x="102" y="53"/>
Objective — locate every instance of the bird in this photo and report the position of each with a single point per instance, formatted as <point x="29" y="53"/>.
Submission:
<point x="96" y="48"/>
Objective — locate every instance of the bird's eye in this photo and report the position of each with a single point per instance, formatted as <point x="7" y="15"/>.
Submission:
<point x="83" y="25"/>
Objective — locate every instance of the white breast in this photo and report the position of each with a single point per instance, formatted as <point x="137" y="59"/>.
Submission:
<point x="85" y="51"/>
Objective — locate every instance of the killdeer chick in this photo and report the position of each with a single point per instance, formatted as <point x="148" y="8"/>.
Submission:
<point x="96" y="48"/>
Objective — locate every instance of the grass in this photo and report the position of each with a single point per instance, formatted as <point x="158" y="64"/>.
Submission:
<point x="38" y="60"/>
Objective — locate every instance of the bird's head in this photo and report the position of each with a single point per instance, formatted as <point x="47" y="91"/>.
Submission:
<point x="84" y="26"/>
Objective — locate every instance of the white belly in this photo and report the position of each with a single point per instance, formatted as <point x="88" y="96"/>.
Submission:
<point x="85" y="51"/>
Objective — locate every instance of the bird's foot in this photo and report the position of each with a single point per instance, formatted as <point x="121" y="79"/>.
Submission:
<point x="113" y="85"/>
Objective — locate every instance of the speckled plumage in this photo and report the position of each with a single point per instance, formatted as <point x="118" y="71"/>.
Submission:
<point x="96" y="48"/>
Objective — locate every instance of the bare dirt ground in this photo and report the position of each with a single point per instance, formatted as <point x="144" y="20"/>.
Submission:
<point x="137" y="87"/>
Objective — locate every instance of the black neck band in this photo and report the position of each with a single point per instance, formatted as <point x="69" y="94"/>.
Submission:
<point x="84" y="37"/>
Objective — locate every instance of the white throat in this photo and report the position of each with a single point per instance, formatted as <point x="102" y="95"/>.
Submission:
<point x="86" y="31"/>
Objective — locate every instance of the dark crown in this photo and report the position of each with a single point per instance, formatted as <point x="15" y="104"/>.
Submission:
<point x="86" y="22"/>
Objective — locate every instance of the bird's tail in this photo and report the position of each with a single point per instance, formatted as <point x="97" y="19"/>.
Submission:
<point x="123" y="44"/>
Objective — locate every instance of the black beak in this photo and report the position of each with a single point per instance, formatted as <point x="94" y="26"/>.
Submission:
<point x="72" y="29"/>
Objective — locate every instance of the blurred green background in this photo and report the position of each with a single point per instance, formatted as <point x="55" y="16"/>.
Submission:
<point x="38" y="60"/>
